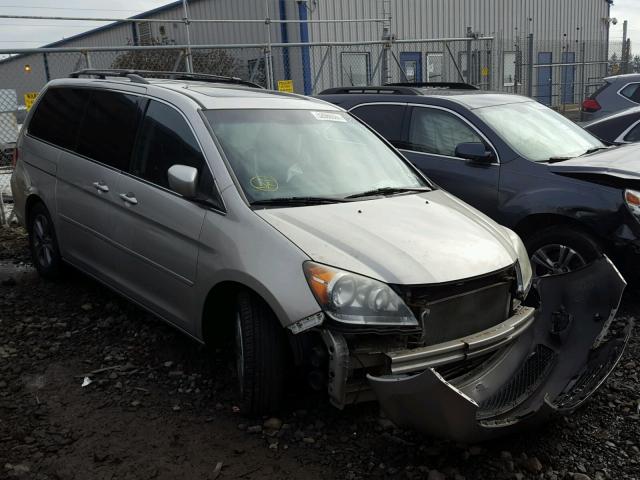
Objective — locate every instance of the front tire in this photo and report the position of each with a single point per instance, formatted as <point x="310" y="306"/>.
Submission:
<point x="43" y="243"/>
<point x="260" y="356"/>
<point x="561" y="249"/>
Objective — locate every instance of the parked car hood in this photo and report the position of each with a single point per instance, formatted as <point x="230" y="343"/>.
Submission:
<point x="409" y="239"/>
<point x="622" y="162"/>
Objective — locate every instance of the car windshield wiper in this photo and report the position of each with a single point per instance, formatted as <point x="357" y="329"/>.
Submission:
<point x="296" y="201"/>
<point x="389" y="191"/>
<point x="559" y="159"/>
<point x="594" y="150"/>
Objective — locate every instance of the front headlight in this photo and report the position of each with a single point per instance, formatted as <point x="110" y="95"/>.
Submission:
<point x="357" y="300"/>
<point x="632" y="199"/>
<point x="523" y="267"/>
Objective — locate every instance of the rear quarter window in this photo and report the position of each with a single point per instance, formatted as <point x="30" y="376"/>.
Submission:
<point x="58" y="116"/>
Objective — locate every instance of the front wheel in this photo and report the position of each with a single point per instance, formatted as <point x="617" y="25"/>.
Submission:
<point x="43" y="243"/>
<point x="260" y="356"/>
<point x="561" y="249"/>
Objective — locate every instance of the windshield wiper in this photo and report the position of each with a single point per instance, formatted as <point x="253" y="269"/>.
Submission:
<point x="594" y="150"/>
<point x="559" y="159"/>
<point x="296" y="201"/>
<point x="388" y="191"/>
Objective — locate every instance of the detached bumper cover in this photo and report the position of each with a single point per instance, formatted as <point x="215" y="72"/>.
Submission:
<point x="552" y="367"/>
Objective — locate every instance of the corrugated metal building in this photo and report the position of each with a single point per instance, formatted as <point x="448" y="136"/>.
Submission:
<point x="564" y="32"/>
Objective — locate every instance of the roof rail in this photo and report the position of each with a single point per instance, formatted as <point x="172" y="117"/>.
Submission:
<point x="386" y="89"/>
<point x="449" y="85"/>
<point x="140" y="76"/>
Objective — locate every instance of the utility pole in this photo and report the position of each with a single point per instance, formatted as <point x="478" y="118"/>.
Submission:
<point x="188" y="56"/>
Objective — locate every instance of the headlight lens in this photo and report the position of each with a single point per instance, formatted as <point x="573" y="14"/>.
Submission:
<point x="354" y="299"/>
<point x="523" y="267"/>
<point x="632" y="199"/>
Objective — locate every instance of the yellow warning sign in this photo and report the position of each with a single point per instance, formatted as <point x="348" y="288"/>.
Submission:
<point x="485" y="71"/>
<point x="285" y="86"/>
<point x="29" y="98"/>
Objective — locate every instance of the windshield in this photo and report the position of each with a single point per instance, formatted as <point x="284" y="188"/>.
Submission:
<point x="538" y="133"/>
<point x="290" y="154"/>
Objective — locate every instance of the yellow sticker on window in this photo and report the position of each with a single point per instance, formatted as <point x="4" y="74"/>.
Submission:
<point x="265" y="184"/>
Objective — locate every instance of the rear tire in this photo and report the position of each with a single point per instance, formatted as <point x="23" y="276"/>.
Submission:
<point x="43" y="243"/>
<point x="260" y="356"/>
<point x="561" y="249"/>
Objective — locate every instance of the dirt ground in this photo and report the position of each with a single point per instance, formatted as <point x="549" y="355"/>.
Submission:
<point x="159" y="406"/>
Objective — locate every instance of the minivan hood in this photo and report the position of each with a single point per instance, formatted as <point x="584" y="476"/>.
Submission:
<point x="409" y="239"/>
<point x="622" y="162"/>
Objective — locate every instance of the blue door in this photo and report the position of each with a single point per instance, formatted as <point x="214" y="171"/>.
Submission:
<point x="411" y="64"/>
<point x="568" y="77"/>
<point x="545" y="78"/>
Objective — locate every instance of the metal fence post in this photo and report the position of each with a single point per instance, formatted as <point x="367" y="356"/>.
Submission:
<point x="469" y="78"/>
<point x="189" y="57"/>
<point x="530" y="66"/>
<point x="87" y="59"/>
<point x="583" y="74"/>
<point x="45" y="60"/>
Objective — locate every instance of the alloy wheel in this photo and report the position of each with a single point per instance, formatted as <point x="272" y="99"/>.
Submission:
<point x="43" y="244"/>
<point x="556" y="259"/>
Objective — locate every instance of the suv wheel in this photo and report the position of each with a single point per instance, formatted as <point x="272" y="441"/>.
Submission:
<point x="44" y="244"/>
<point x="558" y="250"/>
<point x="260" y="356"/>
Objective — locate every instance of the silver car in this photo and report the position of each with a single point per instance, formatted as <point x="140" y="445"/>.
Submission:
<point x="285" y="225"/>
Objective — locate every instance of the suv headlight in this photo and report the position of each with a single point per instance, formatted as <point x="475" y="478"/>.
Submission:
<point x="523" y="266"/>
<point x="357" y="300"/>
<point x="632" y="199"/>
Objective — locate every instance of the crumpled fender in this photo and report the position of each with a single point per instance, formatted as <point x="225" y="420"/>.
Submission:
<point x="575" y="357"/>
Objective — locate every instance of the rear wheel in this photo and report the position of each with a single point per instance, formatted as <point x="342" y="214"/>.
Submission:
<point x="260" y="356"/>
<point x="43" y="243"/>
<point x="561" y="249"/>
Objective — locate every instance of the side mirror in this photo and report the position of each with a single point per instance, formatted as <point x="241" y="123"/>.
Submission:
<point x="183" y="180"/>
<point x="476" y="152"/>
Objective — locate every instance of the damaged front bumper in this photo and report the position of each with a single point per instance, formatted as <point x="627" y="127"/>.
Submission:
<point x="546" y="361"/>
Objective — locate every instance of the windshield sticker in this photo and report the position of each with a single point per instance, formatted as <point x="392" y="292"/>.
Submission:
<point x="329" y="117"/>
<point x="265" y="184"/>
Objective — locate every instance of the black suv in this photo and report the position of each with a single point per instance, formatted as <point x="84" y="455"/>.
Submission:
<point x="569" y="196"/>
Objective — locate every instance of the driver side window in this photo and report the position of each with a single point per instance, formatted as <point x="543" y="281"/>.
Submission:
<point x="438" y="132"/>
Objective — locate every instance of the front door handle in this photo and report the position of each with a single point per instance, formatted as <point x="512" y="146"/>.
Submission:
<point x="101" y="186"/>
<point x="129" y="198"/>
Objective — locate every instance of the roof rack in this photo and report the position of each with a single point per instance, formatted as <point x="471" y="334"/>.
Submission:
<point x="449" y="85"/>
<point x="386" y="89"/>
<point x="140" y="76"/>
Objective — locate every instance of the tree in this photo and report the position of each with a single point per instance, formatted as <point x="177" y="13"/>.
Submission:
<point x="636" y="64"/>
<point x="212" y="61"/>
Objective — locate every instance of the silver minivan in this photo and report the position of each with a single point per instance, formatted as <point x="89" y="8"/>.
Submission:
<point x="287" y="226"/>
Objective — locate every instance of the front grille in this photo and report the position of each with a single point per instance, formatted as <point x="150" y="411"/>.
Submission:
<point x="452" y="311"/>
<point x="531" y="374"/>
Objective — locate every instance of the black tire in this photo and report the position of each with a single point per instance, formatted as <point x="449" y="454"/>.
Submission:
<point x="580" y="249"/>
<point x="43" y="243"/>
<point x="260" y="356"/>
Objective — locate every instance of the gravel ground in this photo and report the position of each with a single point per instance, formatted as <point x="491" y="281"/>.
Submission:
<point x="160" y="406"/>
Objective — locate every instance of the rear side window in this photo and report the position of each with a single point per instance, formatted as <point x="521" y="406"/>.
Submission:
<point x="58" y="116"/>
<point x="385" y="119"/>
<point x="108" y="130"/>
<point x="632" y="92"/>
<point x="165" y="140"/>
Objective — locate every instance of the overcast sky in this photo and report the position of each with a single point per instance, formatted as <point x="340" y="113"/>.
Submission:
<point x="34" y="33"/>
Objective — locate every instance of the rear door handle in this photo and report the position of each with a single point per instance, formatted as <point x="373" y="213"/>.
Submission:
<point x="101" y="186"/>
<point x="129" y="198"/>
